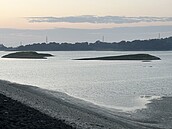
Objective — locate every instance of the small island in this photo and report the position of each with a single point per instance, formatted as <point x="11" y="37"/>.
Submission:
<point x="28" y="55"/>
<point x="125" y="57"/>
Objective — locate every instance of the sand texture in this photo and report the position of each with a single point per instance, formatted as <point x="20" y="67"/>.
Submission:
<point x="15" y="115"/>
<point x="84" y="115"/>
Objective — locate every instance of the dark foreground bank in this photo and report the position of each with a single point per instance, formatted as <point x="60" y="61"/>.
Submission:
<point x="72" y="111"/>
<point x="15" y="115"/>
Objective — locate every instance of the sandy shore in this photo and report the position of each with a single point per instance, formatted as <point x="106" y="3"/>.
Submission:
<point x="85" y="115"/>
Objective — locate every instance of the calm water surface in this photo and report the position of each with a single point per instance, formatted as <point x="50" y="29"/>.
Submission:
<point x="114" y="84"/>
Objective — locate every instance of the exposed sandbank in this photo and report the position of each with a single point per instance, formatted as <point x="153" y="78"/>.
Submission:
<point x="145" y="57"/>
<point x="27" y="55"/>
<point x="84" y="115"/>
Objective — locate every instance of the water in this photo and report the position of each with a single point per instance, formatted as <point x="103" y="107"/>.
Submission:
<point x="125" y="85"/>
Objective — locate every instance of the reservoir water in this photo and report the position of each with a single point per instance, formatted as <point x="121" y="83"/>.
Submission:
<point x="124" y="85"/>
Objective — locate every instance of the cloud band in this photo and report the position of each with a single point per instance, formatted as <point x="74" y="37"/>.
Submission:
<point x="98" y="19"/>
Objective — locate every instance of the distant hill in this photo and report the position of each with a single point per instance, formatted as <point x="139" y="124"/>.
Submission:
<point x="163" y="44"/>
<point x="2" y="47"/>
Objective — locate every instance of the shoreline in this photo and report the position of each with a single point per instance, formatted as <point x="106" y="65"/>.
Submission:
<point x="81" y="114"/>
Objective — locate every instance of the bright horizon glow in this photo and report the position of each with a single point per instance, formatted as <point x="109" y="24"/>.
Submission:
<point x="14" y="13"/>
<point x="15" y="10"/>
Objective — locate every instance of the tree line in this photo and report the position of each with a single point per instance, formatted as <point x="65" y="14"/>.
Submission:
<point x="162" y="44"/>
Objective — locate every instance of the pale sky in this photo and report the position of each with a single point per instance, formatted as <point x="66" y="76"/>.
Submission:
<point x="83" y="14"/>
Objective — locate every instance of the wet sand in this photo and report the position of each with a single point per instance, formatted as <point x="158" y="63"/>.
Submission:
<point x="84" y="115"/>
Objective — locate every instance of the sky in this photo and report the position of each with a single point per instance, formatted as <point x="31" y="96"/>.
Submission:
<point x="28" y="21"/>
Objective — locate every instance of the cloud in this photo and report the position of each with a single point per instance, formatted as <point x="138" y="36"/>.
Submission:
<point x="98" y="19"/>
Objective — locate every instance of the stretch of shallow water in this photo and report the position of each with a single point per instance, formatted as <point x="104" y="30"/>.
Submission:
<point x="114" y="84"/>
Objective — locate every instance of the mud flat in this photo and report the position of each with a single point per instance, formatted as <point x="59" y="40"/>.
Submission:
<point x="84" y="115"/>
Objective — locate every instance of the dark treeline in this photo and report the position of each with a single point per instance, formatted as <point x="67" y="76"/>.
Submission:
<point x="136" y="45"/>
<point x="2" y="47"/>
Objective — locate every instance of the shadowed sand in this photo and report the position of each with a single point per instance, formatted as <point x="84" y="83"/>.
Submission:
<point x="85" y="115"/>
<point x="15" y="115"/>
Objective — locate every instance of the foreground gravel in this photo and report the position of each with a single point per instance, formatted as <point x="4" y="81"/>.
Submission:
<point x="15" y="115"/>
